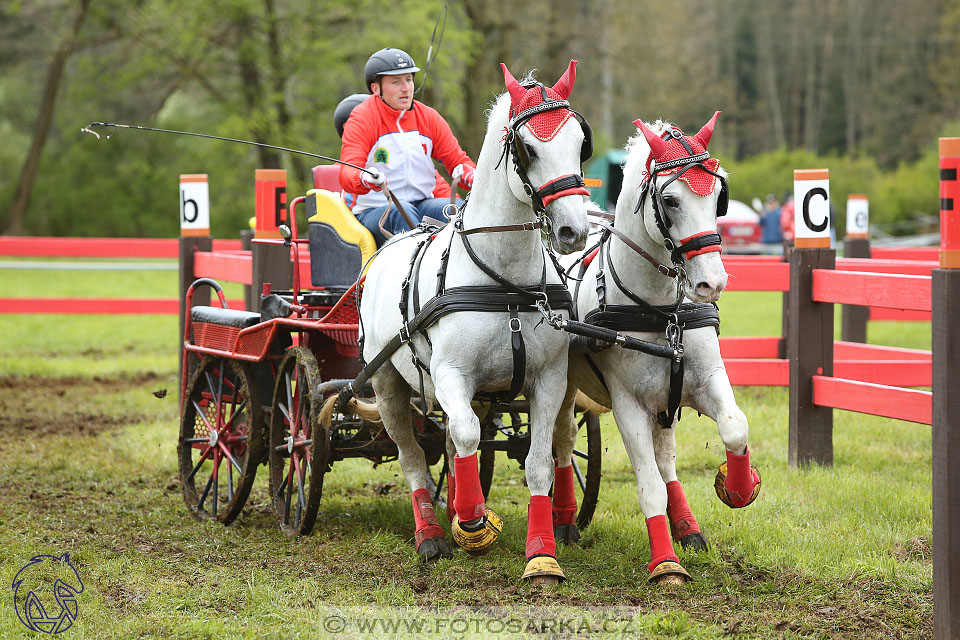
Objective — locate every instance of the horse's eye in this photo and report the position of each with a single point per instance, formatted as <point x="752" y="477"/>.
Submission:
<point x="671" y="201"/>
<point x="530" y="151"/>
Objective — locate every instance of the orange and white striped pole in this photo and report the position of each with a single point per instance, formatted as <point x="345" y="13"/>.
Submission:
<point x="949" y="203"/>
<point x="811" y="188"/>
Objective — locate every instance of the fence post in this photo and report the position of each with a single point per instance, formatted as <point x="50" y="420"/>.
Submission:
<point x="945" y="325"/>
<point x="810" y="337"/>
<point x="194" y="236"/>
<point x="782" y="348"/>
<point x="271" y="262"/>
<point x="856" y="244"/>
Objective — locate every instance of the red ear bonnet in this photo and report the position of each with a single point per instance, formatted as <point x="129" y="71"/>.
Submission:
<point x="707" y="131"/>
<point x="516" y="91"/>
<point x="700" y="182"/>
<point x="544" y="125"/>
<point x="565" y="84"/>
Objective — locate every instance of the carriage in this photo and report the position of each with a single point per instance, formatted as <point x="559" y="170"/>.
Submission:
<point x="253" y="386"/>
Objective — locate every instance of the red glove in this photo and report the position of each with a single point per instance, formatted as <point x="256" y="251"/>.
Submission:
<point x="372" y="179"/>
<point x="463" y="176"/>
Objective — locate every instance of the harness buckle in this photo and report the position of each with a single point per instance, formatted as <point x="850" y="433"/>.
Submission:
<point x="404" y="334"/>
<point x="515" y="325"/>
<point x="530" y="226"/>
<point x="662" y="268"/>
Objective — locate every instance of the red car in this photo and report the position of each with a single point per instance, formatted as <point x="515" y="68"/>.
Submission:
<point x="741" y="225"/>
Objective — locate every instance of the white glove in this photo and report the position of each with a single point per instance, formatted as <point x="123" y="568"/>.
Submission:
<point x="373" y="182"/>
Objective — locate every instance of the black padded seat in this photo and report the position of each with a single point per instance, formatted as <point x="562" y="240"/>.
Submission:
<point x="225" y="317"/>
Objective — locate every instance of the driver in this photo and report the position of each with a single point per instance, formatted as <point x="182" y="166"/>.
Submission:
<point x="397" y="138"/>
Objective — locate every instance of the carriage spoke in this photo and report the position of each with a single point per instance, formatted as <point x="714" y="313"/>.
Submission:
<point x="201" y="415"/>
<point x="576" y="470"/>
<point x="226" y="452"/>
<point x="199" y="464"/>
<point x="230" y="480"/>
<point x="216" y="482"/>
<point x="285" y="411"/>
<point x="289" y="494"/>
<point x="203" y="496"/>
<point x="195" y="440"/>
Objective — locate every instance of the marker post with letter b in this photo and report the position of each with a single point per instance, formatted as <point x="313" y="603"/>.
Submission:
<point x="194" y="236"/>
<point x="810" y="331"/>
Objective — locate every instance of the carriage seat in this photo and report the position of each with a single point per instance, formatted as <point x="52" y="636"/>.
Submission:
<point x="224" y="317"/>
<point x="340" y="245"/>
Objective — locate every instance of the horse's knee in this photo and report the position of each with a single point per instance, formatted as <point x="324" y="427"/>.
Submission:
<point x="734" y="431"/>
<point x="465" y="433"/>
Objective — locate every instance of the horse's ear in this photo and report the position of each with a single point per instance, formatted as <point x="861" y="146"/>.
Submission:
<point x="707" y="131"/>
<point x="565" y="84"/>
<point x="657" y="145"/>
<point x="516" y="91"/>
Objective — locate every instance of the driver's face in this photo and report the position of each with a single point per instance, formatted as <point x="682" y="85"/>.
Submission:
<point x="396" y="91"/>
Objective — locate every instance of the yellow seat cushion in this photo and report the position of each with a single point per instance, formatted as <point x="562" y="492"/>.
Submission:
<point x="332" y="210"/>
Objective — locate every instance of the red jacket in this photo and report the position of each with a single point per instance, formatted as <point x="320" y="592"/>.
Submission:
<point x="401" y="144"/>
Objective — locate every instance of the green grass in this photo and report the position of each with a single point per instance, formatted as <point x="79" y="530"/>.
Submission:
<point x="88" y="465"/>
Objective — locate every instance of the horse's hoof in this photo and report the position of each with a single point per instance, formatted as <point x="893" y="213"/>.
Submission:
<point x="566" y="533"/>
<point x="725" y="496"/>
<point x="432" y="549"/>
<point x="695" y="542"/>
<point x="669" y="572"/>
<point x="543" y="571"/>
<point x="479" y="542"/>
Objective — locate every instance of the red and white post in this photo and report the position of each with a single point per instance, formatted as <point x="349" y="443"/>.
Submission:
<point x="946" y="401"/>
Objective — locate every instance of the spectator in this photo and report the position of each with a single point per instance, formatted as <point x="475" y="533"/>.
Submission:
<point x="772" y="233"/>
<point x="786" y="218"/>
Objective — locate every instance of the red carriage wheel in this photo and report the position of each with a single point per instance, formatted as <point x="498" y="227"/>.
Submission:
<point x="220" y="439"/>
<point x="299" y="447"/>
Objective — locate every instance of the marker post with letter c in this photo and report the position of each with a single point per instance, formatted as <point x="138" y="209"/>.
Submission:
<point x="194" y="236"/>
<point x="856" y="244"/>
<point x="945" y="327"/>
<point x="810" y="331"/>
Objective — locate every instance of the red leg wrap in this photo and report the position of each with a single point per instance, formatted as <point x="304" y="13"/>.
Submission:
<point x="451" y="494"/>
<point x="682" y="522"/>
<point x="741" y="479"/>
<point x="540" y="541"/>
<point x="425" y="518"/>
<point x="468" y="500"/>
<point x="661" y="549"/>
<point x="564" y="499"/>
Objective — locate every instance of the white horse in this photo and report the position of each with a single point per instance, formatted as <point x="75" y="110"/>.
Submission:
<point x="469" y="351"/>
<point x="667" y="207"/>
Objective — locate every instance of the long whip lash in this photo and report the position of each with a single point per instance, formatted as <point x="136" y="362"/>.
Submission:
<point x="87" y="129"/>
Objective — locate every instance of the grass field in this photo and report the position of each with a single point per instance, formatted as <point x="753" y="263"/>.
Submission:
<point x="88" y="466"/>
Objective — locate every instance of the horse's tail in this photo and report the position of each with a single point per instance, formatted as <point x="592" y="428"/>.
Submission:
<point x="589" y="405"/>
<point x="367" y="411"/>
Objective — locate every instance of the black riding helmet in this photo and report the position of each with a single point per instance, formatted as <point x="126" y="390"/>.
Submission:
<point x="343" y="110"/>
<point x="388" y="62"/>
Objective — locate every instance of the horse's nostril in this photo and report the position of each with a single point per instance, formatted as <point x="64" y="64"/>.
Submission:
<point x="567" y="235"/>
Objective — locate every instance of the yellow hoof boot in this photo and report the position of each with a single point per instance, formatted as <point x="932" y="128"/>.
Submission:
<point x="543" y="570"/>
<point x="479" y="542"/>
<point x="669" y="573"/>
<point x="721" y="488"/>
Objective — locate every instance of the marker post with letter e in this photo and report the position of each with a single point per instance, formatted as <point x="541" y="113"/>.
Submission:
<point x="945" y="326"/>
<point x="271" y="262"/>
<point x="856" y="244"/>
<point x="194" y="236"/>
<point x="810" y="331"/>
